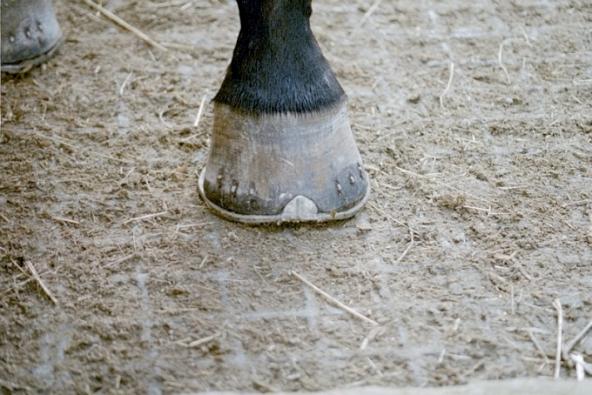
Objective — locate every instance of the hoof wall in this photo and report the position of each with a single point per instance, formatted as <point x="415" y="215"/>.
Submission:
<point x="286" y="167"/>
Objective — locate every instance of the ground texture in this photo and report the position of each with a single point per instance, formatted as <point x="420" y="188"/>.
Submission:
<point x="474" y="120"/>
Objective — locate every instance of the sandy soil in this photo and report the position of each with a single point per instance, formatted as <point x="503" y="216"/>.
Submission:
<point x="481" y="213"/>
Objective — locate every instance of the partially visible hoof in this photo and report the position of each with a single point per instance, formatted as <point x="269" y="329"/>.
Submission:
<point x="30" y="34"/>
<point x="276" y="168"/>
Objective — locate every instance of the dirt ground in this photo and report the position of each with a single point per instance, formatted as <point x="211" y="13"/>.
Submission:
<point x="480" y="216"/>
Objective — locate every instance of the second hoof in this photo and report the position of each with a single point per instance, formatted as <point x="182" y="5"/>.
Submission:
<point x="30" y="34"/>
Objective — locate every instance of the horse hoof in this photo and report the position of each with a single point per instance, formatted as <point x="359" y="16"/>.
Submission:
<point x="30" y="34"/>
<point x="283" y="167"/>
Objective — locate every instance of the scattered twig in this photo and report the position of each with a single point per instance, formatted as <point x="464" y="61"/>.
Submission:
<point x="368" y="13"/>
<point x="206" y="288"/>
<point x="262" y="386"/>
<point x="538" y="346"/>
<point x="448" y="85"/>
<point x="199" y="342"/>
<point x="441" y="356"/>
<point x="178" y="46"/>
<point x="17" y="286"/>
<point x="500" y="60"/>
<point x="569" y="346"/>
<point x="195" y="225"/>
<point x="147" y="216"/>
<point x="121" y="89"/>
<point x="505" y="257"/>
<point x="557" y="305"/>
<point x="114" y="18"/>
<point x="199" y="112"/>
<point x="488" y="210"/>
<point x="524" y="273"/>
<point x="40" y="282"/>
<point x="120" y="260"/>
<point x="67" y="220"/>
<point x="578" y="360"/>
<point x="333" y="300"/>
<point x="19" y="267"/>
<point x="373" y="366"/>
<point x="524" y="329"/>
<point x="474" y="368"/>
<point x="161" y="117"/>
<point x="590" y="228"/>
<point x="373" y="334"/>
<point x="406" y="249"/>
<point x="508" y="188"/>
<point x="525" y="36"/>
<point x="203" y="261"/>
<point x="169" y="4"/>
<point x="388" y="186"/>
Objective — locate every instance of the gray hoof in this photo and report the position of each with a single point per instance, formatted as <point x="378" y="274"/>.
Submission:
<point x="277" y="168"/>
<point x="30" y="34"/>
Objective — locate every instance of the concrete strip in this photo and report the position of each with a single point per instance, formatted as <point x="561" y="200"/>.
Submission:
<point x="537" y="386"/>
